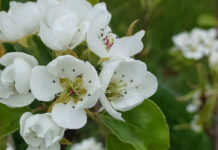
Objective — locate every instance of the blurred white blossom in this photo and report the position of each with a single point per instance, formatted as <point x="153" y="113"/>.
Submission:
<point x="88" y="144"/>
<point x="196" y="44"/>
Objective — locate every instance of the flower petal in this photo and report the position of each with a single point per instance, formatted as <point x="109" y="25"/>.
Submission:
<point x="95" y="44"/>
<point x="80" y="7"/>
<point x="44" y="85"/>
<point x="64" y="28"/>
<point x="99" y="17"/>
<point x="107" y="105"/>
<point x="18" y="100"/>
<point x="8" y="75"/>
<point x="67" y="117"/>
<point x="27" y="22"/>
<point x="80" y="35"/>
<point x="127" y="46"/>
<point x="9" y="30"/>
<point x="22" y="75"/>
<point x="48" y="37"/>
<point x="8" y="58"/>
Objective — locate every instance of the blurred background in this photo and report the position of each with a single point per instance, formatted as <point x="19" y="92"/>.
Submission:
<point x="161" y="19"/>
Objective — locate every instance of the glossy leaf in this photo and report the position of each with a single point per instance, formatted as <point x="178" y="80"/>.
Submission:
<point x="113" y="143"/>
<point x="145" y="127"/>
<point x="9" y="122"/>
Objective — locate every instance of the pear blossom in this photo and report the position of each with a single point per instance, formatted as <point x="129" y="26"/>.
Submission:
<point x="14" y="79"/>
<point x="196" y="44"/>
<point x="45" y="5"/>
<point x="126" y="84"/>
<point x="103" y="42"/>
<point x="40" y="131"/>
<point x="22" y="19"/>
<point x="75" y="85"/>
<point x="62" y="28"/>
<point x="88" y="144"/>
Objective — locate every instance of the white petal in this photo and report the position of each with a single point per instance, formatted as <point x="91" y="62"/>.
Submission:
<point x="95" y="44"/>
<point x="8" y="75"/>
<point x="5" y="91"/>
<point x="9" y="30"/>
<point x="67" y="117"/>
<point x="8" y="58"/>
<point x="44" y="85"/>
<point x="128" y="46"/>
<point x="80" y="35"/>
<point x="18" y="100"/>
<point x="22" y="75"/>
<point x="45" y="5"/>
<point x="135" y="97"/>
<point x="107" y="105"/>
<point x="27" y="22"/>
<point x="48" y="37"/>
<point x="64" y="29"/>
<point x="99" y="16"/>
<point x="107" y="73"/>
<point x="80" y="7"/>
<point x="23" y="119"/>
<point x="44" y="128"/>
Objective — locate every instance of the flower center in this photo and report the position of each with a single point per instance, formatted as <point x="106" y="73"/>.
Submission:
<point x="107" y="38"/>
<point x="115" y="90"/>
<point x="73" y="90"/>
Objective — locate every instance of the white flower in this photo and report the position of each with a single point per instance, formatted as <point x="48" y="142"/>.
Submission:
<point x="196" y="44"/>
<point x="127" y="83"/>
<point x="55" y="146"/>
<point x="21" y="20"/>
<point x="103" y="42"/>
<point x="88" y="144"/>
<point x="81" y="7"/>
<point x="38" y="130"/>
<point x="45" y="5"/>
<point x="73" y="82"/>
<point x="195" y="126"/>
<point x="62" y="28"/>
<point x="14" y="79"/>
<point x="213" y="60"/>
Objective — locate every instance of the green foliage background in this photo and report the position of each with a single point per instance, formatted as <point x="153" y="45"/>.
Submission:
<point x="161" y="19"/>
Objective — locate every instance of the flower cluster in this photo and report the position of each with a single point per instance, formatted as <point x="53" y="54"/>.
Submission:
<point x="69" y="84"/>
<point x="197" y="44"/>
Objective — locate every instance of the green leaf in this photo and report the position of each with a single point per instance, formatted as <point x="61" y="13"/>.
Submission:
<point x="125" y="132"/>
<point x="3" y="143"/>
<point x="93" y="2"/>
<point x="145" y="127"/>
<point x="152" y="123"/>
<point x="39" y="50"/>
<point x="113" y="143"/>
<point x="9" y="122"/>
